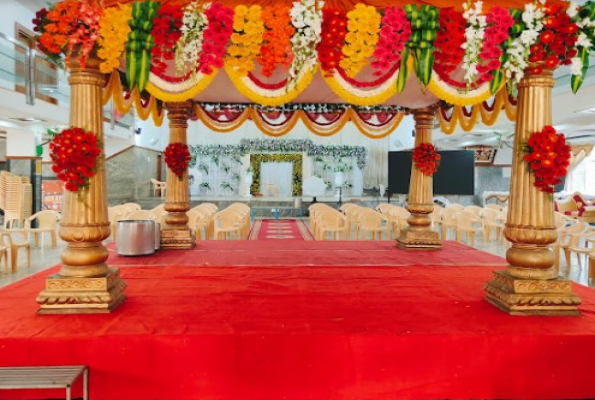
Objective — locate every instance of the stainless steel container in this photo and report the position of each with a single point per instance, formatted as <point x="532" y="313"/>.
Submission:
<point x="136" y="237"/>
<point x="157" y="235"/>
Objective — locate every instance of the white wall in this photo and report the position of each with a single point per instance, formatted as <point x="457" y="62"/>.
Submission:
<point x="376" y="172"/>
<point x="20" y="143"/>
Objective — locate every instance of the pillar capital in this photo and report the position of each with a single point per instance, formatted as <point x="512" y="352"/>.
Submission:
<point x="178" y="113"/>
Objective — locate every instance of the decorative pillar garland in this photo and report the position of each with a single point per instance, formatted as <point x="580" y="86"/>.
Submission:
<point x="176" y="234"/>
<point x="419" y="234"/>
<point x="85" y="284"/>
<point x="529" y="285"/>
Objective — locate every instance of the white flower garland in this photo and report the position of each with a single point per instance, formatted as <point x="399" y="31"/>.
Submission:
<point x="576" y="66"/>
<point x="306" y="17"/>
<point x="518" y="52"/>
<point x="474" y="35"/>
<point x="189" y="46"/>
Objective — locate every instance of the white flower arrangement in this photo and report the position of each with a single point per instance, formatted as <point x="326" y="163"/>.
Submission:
<point x="518" y="52"/>
<point x="306" y="17"/>
<point x="474" y="36"/>
<point x="189" y="46"/>
<point x="583" y="41"/>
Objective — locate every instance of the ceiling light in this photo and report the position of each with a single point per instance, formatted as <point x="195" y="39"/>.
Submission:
<point x="28" y="119"/>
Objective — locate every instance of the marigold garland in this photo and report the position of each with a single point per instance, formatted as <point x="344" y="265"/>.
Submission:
<point x="363" y="24"/>
<point x="246" y="39"/>
<point x="276" y="47"/>
<point x="113" y="34"/>
<point x="70" y="24"/>
<point x="177" y="158"/>
<point x="74" y="153"/>
<point x="334" y="29"/>
<point x="426" y="159"/>
<point x="548" y="157"/>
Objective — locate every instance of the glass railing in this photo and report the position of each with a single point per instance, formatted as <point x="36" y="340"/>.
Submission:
<point x="27" y="71"/>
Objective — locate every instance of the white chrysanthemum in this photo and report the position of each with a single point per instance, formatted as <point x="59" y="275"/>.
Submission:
<point x="576" y="66"/>
<point x="189" y="46"/>
<point x="572" y="10"/>
<point x="306" y="18"/>
<point x="474" y="36"/>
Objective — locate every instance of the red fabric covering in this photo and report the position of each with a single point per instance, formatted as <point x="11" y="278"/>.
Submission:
<point x="294" y="333"/>
<point x="309" y="253"/>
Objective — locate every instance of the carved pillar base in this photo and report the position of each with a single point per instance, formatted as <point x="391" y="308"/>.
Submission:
<point x="77" y="295"/>
<point x="418" y="234"/>
<point x="426" y="240"/>
<point x="532" y="296"/>
<point x="177" y="238"/>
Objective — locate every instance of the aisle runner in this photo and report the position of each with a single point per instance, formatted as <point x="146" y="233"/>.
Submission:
<point x="269" y="229"/>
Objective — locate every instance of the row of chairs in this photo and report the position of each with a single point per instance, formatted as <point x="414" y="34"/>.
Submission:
<point x="575" y="237"/>
<point x="16" y="235"/>
<point x="232" y="222"/>
<point x="351" y="221"/>
<point x="469" y="221"/>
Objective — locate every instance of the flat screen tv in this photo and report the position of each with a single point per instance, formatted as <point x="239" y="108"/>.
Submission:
<point x="455" y="175"/>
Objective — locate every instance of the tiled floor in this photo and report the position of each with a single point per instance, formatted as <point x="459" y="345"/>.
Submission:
<point x="44" y="257"/>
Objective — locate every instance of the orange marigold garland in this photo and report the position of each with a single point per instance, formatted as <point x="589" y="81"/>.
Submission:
<point x="69" y="24"/>
<point x="177" y="158"/>
<point x="276" y="47"/>
<point x="426" y="159"/>
<point x="548" y="156"/>
<point x="74" y="153"/>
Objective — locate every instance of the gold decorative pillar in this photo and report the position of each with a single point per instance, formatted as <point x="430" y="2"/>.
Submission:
<point x="529" y="285"/>
<point x="85" y="284"/>
<point x="419" y="235"/>
<point x="176" y="234"/>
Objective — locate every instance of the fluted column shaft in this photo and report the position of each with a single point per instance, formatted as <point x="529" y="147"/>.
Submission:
<point x="176" y="233"/>
<point x="84" y="224"/>
<point x="530" y="222"/>
<point x="419" y="234"/>
<point x="529" y="285"/>
<point x="85" y="284"/>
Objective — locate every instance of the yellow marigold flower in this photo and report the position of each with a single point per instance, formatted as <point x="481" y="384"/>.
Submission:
<point x="241" y="11"/>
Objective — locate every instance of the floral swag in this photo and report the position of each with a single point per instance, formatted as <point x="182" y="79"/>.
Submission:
<point x="247" y="146"/>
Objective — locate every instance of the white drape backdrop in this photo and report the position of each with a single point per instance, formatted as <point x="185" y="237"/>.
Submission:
<point x="376" y="172"/>
<point x="279" y="174"/>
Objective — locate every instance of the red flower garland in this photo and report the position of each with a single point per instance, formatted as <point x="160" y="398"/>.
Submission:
<point x="556" y="41"/>
<point x="548" y="157"/>
<point x="499" y="22"/>
<point x="166" y="33"/>
<point x="215" y="37"/>
<point x="448" y="52"/>
<point x="426" y="158"/>
<point x="74" y="153"/>
<point x="177" y="158"/>
<point x="394" y="34"/>
<point x="334" y="29"/>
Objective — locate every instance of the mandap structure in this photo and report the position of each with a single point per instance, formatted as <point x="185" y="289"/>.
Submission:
<point x="368" y="62"/>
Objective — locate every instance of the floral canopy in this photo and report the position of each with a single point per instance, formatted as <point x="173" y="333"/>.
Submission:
<point x="368" y="53"/>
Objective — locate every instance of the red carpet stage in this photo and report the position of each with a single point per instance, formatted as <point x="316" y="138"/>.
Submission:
<point x="342" y="332"/>
<point x="282" y="229"/>
<point x="310" y="253"/>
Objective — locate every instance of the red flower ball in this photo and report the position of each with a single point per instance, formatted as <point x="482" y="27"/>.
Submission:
<point x="177" y="158"/>
<point x="426" y="158"/>
<point x="74" y="153"/>
<point x="548" y="157"/>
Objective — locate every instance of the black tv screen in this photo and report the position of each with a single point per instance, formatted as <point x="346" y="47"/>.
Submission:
<point x="455" y="174"/>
